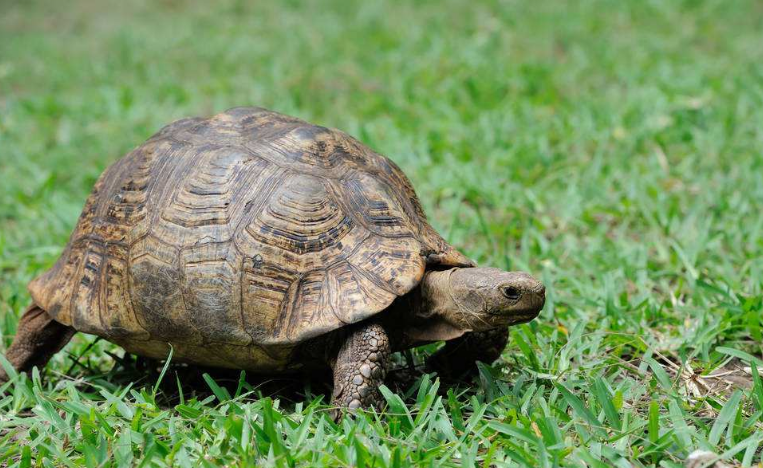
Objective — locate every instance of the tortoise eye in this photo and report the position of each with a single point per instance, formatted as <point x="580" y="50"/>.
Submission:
<point x="511" y="293"/>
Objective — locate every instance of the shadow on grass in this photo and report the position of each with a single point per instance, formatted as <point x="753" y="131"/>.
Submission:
<point x="181" y="382"/>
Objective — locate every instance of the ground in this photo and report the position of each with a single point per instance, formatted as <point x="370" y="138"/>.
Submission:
<point x="613" y="149"/>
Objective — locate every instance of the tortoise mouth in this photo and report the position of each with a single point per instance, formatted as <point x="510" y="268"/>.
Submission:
<point x="514" y="318"/>
<point x="517" y="317"/>
<point x="527" y="311"/>
<point x="524" y="318"/>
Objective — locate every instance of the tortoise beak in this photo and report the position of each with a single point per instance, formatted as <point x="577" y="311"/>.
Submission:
<point x="539" y="298"/>
<point x="532" y="300"/>
<point x="536" y="298"/>
<point x="539" y="295"/>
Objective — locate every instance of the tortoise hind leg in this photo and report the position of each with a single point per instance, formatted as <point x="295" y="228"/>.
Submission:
<point x="361" y="365"/>
<point x="38" y="338"/>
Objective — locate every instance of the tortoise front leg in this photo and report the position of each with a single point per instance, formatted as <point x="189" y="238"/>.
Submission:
<point x="360" y="367"/>
<point x="38" y="338"/>
<point x="458" y="357"/>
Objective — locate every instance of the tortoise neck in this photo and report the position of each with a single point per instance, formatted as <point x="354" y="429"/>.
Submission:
<point x="435" y="298"/>
<point x="431" y="313"/>
<point x="427" y="312"/>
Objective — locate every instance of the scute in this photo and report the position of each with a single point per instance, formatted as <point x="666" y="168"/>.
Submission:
<point x="208" y="269"/>
<point x="243" y="234"/>
<point x="374" y="201"/>
<point x="301" y="217"/>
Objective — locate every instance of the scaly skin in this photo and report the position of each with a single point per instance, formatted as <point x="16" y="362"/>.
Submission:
<point x="38" y="337"/>
<point x="361" y="366"/>
<point x="458" y="357"/>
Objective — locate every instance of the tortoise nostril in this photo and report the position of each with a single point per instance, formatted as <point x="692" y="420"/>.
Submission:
<point x="511" y="293"/>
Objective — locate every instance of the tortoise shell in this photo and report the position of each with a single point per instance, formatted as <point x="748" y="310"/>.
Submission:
<point x="232" y="236"/>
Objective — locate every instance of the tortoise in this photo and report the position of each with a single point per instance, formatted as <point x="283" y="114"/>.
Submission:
<point x="257" y="241"/>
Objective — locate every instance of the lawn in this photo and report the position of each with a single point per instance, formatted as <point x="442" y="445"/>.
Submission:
<point x="613" y="149"/>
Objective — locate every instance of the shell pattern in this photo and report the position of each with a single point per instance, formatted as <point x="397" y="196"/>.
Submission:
<point x="238" y="235"/>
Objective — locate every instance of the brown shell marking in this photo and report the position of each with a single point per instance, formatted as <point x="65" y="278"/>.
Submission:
<point x="250" y="229"/>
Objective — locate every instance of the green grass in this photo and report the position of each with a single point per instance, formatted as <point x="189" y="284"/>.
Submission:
<point x="613" y="149"/>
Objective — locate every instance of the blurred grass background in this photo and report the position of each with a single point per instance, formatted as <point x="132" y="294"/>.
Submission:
<point x="611" y="148"/>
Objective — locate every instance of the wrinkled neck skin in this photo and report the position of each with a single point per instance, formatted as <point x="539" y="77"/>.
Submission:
<point x="436" y="299"/>
<point x="429" y="312"/>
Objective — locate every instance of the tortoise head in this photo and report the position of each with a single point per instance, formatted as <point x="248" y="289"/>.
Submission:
<point x="480" y="299"/>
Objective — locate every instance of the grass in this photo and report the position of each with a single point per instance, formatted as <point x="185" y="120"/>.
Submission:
<point x="611" y="148"/>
